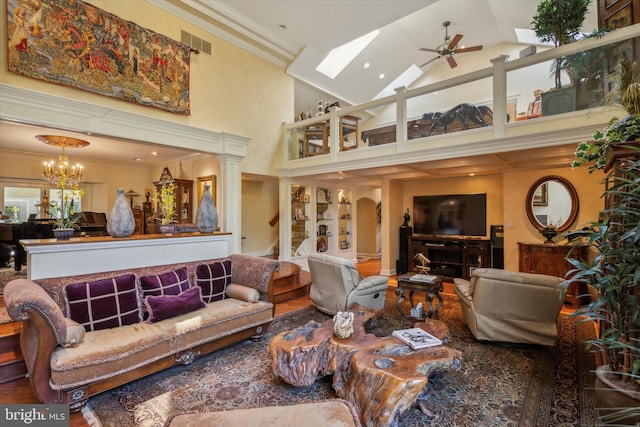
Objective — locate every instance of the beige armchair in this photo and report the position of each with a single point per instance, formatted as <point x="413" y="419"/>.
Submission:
<point x="505" y="306"/>
<point x="336" y="284"/>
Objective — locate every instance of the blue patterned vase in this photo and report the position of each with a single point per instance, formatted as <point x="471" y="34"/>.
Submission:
<point x="121" y="222"/>
<point x="207" y="216"/>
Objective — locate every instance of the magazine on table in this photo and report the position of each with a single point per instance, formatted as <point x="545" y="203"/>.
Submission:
<point x="423" y="278"/>
<point x="416" y="338"/>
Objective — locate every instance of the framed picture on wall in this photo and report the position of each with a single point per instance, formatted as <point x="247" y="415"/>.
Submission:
<point x="207" y="180"/>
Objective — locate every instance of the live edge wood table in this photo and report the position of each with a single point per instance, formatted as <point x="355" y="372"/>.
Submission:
<point x="380" y="376"/>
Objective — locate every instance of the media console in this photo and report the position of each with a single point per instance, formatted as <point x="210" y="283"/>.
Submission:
<point x="451" y="256"/>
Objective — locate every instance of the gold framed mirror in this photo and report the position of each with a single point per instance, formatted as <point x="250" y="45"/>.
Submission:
<point x="552" y="201"/>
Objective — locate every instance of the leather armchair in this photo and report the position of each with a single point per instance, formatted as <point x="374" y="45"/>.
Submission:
<point x="505" y="306"/>
<point x="336" y="285"/>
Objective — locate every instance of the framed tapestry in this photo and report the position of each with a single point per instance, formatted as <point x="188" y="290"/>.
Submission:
<point x="75" y="44"/>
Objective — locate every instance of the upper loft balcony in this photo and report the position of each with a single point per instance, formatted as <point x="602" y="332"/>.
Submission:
<point x="513" y="105"/>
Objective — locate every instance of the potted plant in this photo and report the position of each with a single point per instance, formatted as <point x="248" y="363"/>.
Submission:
<point x="66" y="218"/>
<point x="559" y="22"/>
<point x="614" y="271"/>
<point x="167" y="205"/>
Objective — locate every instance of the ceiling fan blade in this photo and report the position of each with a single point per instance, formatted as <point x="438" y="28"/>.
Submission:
<point x="469" y="49"/>
<point x="430" y="61"/>
<point x="455" y="41"/>
<point x="429" y="50"/>
<point x="452" y="62"/>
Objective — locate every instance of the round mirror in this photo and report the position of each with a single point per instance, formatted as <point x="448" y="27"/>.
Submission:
<point x="552" y="201"/>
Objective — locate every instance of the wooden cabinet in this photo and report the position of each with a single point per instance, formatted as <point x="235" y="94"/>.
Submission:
<point x="451" y="256"/>
<point x="138" y="218"/>
<point x="539" y="258"/>
<point x="183" y="193"/>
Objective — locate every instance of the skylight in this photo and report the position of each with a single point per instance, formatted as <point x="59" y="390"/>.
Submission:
<point x="341" y="56"/>
<point x="527" y="36"/>
<point x="409" y="76"/>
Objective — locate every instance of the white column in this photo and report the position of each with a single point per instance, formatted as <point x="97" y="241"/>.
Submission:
<point x="499" y="95"/>
<point x="230" y="206"/>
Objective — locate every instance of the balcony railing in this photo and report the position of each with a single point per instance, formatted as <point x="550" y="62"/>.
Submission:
<point x="512" y="99"/>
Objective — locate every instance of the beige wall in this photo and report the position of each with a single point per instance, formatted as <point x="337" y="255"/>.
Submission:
<point x="506" y="201"/>
<point x="517" y="184"/>
<point x="232" y="90"/>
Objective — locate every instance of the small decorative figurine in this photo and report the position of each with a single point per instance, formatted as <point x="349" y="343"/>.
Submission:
<point x="343" y="324"/>
<point x="407" y="218"/>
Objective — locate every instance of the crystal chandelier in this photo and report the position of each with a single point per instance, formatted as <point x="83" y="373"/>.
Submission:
<point x="61" y="173"/>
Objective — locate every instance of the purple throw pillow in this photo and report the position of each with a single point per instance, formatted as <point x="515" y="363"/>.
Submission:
<point x="213" y="278"/>
<point x="166" y="283"/>
<point x="167" y="306"/>
<point x="105" y="303"/>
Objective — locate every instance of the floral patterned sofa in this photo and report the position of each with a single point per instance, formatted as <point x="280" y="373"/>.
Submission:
<point x="82" y="335"/>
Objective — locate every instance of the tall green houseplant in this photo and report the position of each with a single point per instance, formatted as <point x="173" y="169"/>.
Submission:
<point x="614" y="272"/>
<point x="559" y="22"/>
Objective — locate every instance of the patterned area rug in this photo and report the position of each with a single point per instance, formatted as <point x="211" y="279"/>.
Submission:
<point x="498" y="385"/>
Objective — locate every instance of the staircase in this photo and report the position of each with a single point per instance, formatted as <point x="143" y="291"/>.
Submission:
<point x="290" y="282"/>
<point x="11" y="362"/>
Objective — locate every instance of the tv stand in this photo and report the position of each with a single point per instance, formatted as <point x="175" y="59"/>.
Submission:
<point x="451" y="256"/>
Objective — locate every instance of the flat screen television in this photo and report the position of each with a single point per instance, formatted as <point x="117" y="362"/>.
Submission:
<point x="452" y="214"/>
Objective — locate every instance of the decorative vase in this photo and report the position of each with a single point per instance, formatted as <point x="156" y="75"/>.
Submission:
<point x="207" y="216"/>
<point x="610" y="398"/>
<point x="63" y="233"/>
<point x="343" y="324"/>
<point x="166" y="229"/>
<point x="549" y="232"/>
<point x="121" y="222"/>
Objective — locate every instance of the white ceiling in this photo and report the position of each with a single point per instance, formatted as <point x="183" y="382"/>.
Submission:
<point x="313" y="28"/>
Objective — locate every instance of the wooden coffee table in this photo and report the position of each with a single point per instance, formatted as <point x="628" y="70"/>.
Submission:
<point x="431" y="290"/>
<point x="380" y="376"/>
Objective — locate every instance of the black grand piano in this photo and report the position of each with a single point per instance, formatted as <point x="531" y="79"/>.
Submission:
<point x="12" y="232"/>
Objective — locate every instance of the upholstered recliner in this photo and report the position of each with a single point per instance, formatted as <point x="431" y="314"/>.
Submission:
<point x="505" y="306"/>
<point x="336" y="284"/>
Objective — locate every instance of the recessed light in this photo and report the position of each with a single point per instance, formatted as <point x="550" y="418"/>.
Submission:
<point x="381" y="76"/>
<point x="282" y="27"/>
<point x="137" y="159"/>
<point x="366" y="65"/>
<point x="472" y="174"/>
<point x="154" y="153"/>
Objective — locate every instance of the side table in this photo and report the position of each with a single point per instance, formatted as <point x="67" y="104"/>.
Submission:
<point x="431" y="289"/>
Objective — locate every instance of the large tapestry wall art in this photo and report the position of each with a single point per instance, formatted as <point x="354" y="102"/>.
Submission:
<point x="72" y="43"/>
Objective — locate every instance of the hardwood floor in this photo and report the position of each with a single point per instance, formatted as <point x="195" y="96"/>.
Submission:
<point x="19" y="391"/>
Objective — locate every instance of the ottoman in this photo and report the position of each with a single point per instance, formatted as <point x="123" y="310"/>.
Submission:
<point x="334" y="413"/>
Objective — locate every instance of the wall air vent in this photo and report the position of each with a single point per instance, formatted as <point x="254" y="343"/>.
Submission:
<point x="195" y="42"/>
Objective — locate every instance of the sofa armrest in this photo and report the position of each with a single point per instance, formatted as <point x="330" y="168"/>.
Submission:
<point x="254" y="272"/>
<point x="24" y="297"/>
<point x="373" y="281"/>
<point x="44" y="327"/>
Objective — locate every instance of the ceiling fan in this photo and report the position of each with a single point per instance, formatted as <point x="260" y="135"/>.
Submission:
<point x="449" y="47"/>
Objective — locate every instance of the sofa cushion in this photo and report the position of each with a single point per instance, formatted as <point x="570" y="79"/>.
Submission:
<point x="75" y="333"/>
<point x="167" y="306"/>
<point x="171" y="282"/>
<point x="105" y="303"/>
<point x="213" y="278"/>
<point x="243" y="293"/>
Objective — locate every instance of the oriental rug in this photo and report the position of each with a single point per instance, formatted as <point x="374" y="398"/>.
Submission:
<point x="498" y="385"/>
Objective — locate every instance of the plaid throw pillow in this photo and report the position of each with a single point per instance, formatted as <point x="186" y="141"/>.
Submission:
<point x="167" y="283"/>
<point x="105" y="303"/>
<point x="213" y="278"/>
